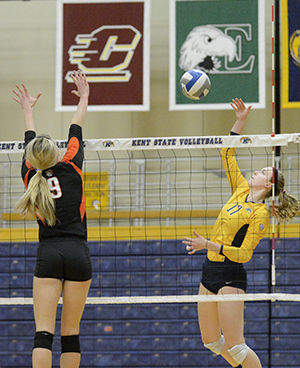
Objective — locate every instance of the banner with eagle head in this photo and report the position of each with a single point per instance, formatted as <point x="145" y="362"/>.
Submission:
<point x="109" y="41"/>
<point x="226" y="40"/>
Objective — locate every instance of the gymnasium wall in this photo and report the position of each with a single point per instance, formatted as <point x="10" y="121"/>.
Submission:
<point x="28" y="36"/>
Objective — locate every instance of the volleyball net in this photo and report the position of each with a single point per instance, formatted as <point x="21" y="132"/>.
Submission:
<point x="143" y="196"/>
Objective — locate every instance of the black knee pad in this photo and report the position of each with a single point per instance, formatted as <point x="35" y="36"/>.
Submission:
<point x="70" y="344"/>
<point x="43" y="339"/>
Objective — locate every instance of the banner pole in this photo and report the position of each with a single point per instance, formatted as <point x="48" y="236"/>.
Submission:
<point x="277" y="72"/>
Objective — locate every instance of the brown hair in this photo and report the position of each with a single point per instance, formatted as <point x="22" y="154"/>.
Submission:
<point x="42" y="153"/>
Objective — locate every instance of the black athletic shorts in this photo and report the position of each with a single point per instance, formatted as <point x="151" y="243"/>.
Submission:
<point x="216" y="275"/>
<point x="67" y="259"/>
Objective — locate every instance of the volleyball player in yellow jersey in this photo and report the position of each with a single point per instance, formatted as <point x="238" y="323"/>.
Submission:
<point x="242" y="222"/>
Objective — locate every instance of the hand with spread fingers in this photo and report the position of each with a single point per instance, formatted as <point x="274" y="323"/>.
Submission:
<point x="241" y="111"/>
<point x="27" y="102"/>
<point x="195" y="244"/>
<point x="79" y="79"/>
<point x="23" y="97"/>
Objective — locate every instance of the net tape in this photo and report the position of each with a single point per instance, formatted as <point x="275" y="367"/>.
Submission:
<point x="154" y="143"/>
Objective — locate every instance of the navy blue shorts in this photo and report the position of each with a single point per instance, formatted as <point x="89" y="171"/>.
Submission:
<point x="216" y="275"/>
<point x="65" y="259"/>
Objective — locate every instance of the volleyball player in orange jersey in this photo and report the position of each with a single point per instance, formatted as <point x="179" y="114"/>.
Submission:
<point x="54" y="194"/>
<point x="242" y="222"/>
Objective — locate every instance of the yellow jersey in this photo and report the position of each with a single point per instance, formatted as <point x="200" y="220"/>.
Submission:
<point x="240" y="224"/>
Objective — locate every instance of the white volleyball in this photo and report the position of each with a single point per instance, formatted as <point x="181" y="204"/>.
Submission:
<point x="195" y="84"/>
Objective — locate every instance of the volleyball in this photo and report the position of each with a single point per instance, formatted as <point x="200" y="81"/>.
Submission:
<point x="195" y="84"/>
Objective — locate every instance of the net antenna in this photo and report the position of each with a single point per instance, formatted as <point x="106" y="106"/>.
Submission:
<point x="273" y="268"/>
<point x="276" y="153"/>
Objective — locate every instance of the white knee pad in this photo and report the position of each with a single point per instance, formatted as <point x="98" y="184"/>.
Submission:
<point x="239" y="352"/>
<point x="216" y="347"/>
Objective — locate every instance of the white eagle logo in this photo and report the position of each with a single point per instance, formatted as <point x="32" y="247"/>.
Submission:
<point x="203" y="46"/>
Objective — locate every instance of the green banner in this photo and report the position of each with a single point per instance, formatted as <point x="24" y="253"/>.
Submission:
<point x="225" y="39"/>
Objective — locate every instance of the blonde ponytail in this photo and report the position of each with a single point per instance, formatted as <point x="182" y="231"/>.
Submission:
<point x="42" y="153"/>
<point x="37" y="200"/>
<point x="288" y="205"/>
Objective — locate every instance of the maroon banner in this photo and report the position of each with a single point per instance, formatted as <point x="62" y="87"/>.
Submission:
<point x="105" y="40"/>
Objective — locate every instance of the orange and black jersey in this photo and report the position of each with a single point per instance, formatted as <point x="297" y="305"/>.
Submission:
<point x="66" y="186"/>
<point x="240" y="224"/>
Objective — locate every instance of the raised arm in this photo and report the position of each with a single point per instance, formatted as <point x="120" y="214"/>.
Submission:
<point x="233" y="172"/>
<point x="27" y="102"/>
<point x="241" y="113"/>
<point x="83" y="91"/>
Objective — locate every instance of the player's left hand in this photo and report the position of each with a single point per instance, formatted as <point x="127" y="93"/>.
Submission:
<point x="195" y="244"/>
<point x="241" y="111"/>
<point x="83" y="89"/>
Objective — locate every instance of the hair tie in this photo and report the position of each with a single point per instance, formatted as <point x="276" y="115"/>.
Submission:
<point x="38" y="170"/>
<point x="283" y="191"/>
